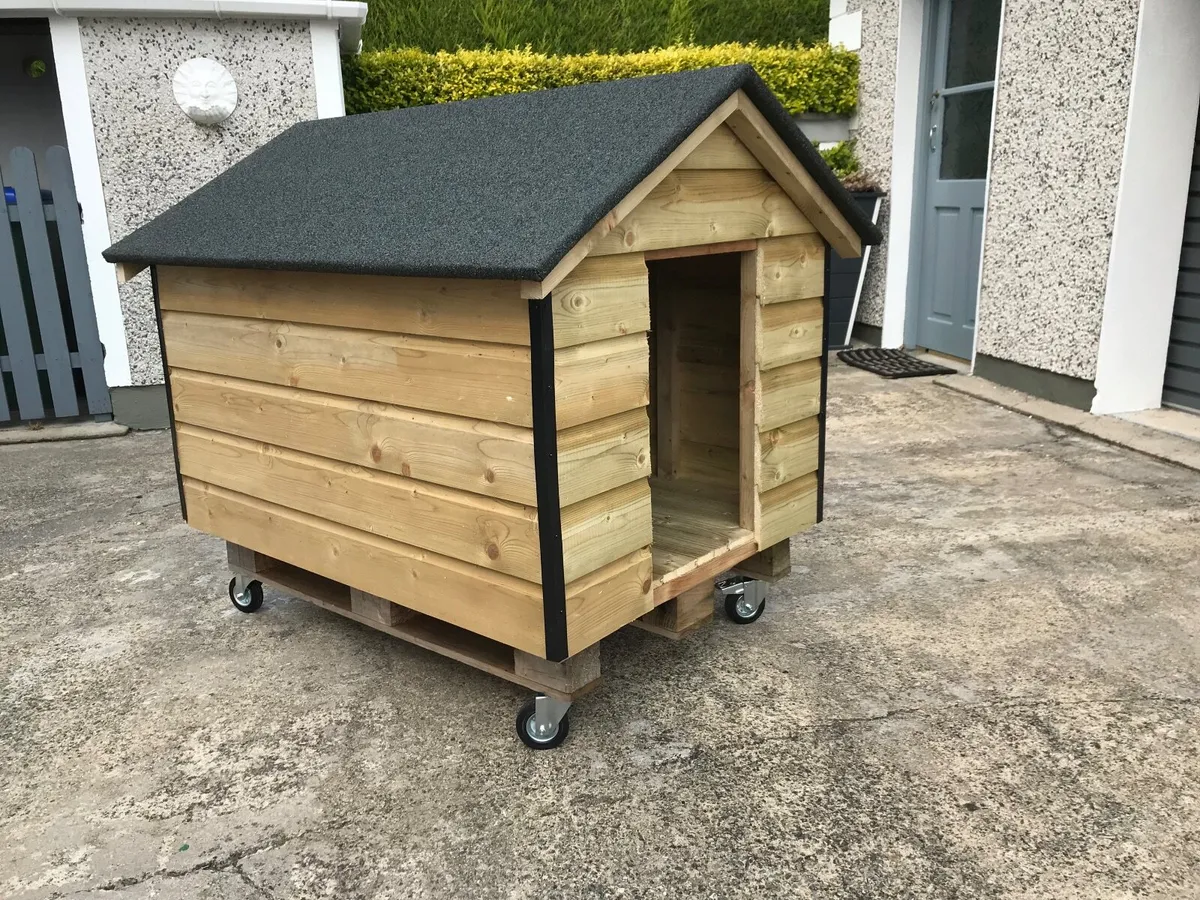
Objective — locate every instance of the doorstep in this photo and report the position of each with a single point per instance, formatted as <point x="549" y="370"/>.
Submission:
<point x="70" y="431"/>
<point x="1134" y="431"/>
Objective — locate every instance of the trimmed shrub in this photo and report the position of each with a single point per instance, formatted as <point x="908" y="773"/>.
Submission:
<point x="842" y="159"/>
<point x="580" y="26"/>
<point x="806" y="79"/>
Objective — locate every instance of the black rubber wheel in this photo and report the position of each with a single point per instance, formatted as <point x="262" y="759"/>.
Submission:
<point x="254" y="593"/>
<point x="740" y="616"/>
<point x="525" y="714"/>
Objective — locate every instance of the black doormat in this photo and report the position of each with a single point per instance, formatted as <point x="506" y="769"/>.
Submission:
<point x="891" y="363"/>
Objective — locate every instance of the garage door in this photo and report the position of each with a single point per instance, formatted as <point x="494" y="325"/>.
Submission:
<point x="1181" y="383"/>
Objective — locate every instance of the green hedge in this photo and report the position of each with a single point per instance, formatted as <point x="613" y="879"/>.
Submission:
<point x="807" y="79"/>
<point x="580" y="26"/>
<point x="842" y="158"/>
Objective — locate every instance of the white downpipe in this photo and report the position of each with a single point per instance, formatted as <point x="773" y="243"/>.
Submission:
<point x="349" y="16"/>
<point x="905" y="141"/>
<point x="862" y="276"/>
<point x="1143" y="267"/>
<point x="327" y="69"/>
<point x="85" y="168"/>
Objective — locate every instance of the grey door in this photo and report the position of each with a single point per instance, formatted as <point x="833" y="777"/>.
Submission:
<point x="1181" y="382"/>
<point x="959" y="128"/>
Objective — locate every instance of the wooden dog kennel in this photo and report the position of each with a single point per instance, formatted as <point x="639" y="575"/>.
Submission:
<point x="503" y="376"/>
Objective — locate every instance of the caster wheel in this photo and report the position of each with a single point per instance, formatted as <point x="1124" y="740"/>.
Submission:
<point x="543" y="739"/>
<point x="742" y="610"/>
<point x="250" y="599"/>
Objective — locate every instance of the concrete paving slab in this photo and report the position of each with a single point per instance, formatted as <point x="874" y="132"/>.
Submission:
<point x="1169" y="435"/>
<point x="69" y="431"/>
<point x="981" y="680"/>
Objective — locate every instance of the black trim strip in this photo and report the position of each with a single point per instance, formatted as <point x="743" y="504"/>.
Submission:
<point x="162" y="347"/>
<point x="545" y="458"/>
<point x="824" y="387"/>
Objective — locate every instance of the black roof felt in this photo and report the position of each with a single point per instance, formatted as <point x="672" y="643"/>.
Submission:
<point x="500" y="187"/>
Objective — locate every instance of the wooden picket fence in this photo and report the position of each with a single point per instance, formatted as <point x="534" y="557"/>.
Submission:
<point x="51" y="358"/>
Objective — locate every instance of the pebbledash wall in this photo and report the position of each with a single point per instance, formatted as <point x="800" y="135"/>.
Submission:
<point x="152" y="155"/>
<point x="1070" y="149"/>
<point x="134" y="152"/>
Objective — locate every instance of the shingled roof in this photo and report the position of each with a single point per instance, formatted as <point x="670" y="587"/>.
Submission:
<point x="499" y="188"/>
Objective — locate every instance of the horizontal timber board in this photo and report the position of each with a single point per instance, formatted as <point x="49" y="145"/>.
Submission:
<point x="790" y="332"/>
<point x="789" y="509"/>
<point x="705" y="206"/>
<point x="598" y="456"/>
<point x="462" y="378"/>
<point x="482" y="457"/>
<point x="492" y="534"/>
<point x="721" y="150"/>
<point x="608" y="599"/>
<point x="788" y="394"/>
<point x="497" y="606"/>
<point x="788" y="452"/>
<point x="600" y="379"/>
<point x="606" y="527"/>
<point x="605" y="297"/>
<point x="457" y="308"/>
<point x="793" y="268"/>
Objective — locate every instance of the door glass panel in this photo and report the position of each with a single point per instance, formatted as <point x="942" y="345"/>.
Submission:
<point x="966" y="135"/>
<point x="974" y="31"/>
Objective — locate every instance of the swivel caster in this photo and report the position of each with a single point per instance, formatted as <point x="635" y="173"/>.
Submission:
<point x="745" y="598"/>
<point x="247" y="596"/>
<point x="542" y="723"/>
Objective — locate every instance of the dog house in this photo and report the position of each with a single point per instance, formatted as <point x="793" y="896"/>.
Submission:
<point x="503" y="376"/>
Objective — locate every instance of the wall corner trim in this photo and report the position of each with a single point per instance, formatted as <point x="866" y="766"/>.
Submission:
<point x="67" y="44"/>
<point x="1143" y="265"/>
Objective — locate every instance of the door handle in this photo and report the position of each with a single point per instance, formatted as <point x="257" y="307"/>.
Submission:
<point x="933" y="138"/>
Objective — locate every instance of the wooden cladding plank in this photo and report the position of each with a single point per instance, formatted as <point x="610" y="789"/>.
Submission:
<point x="598" y="456"/>
<point x="458" y="308"/>
<point x="481" y="457"/>
<point x="606" y="527"/>
<point x="477" y="380"/>
<point x="705" y="206"/>
<point x="707" y="463"/>
<point x="605" y="297"/>
<point x="788" y="452"/>
<point x="608" y="599"/>
<point x="600" y="379"/>
<point x="492" y="534"/>
<point x="498" y="606"/>
<point x="788" y="509"/>
<point x="790" y="332"/>
<point x="721" y="150"/>
<point x="793" y="268"/>
<point x="788" y="394"/>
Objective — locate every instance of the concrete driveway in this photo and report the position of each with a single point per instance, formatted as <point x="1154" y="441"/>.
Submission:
<point x="981" y="681"/>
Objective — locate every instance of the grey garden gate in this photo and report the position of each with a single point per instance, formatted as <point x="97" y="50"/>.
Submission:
<point x="51" y="358"/>
<point x="1181" y="381"/>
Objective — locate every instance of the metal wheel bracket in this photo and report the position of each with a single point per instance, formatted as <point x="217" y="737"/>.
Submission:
<point x="547" y="713"/>
<point x="241" y="584"/>
<point x="752" y="591"/>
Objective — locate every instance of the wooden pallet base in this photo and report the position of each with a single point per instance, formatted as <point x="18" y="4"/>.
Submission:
<point x="566" y="680"/>
<point x="682" y="614"/>
<point x="769" y="565"/>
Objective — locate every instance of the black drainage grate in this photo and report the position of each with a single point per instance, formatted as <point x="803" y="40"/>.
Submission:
<point x="891" y="363"/>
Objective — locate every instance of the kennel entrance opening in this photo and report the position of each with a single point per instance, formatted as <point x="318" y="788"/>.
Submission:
<point x="695" y="409"/>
